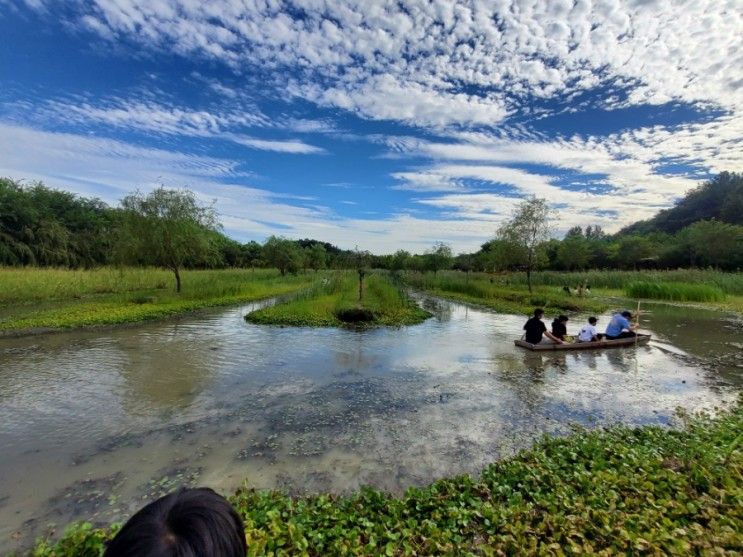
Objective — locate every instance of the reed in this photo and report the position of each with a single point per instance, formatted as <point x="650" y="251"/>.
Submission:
<point x="679" y="292"/>
<point x="728" y="282"/>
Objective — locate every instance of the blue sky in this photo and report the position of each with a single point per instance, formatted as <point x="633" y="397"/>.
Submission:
<point x="375" y="124"/>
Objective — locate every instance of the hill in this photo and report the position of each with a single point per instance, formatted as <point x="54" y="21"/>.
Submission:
<point x="720" y="198"/>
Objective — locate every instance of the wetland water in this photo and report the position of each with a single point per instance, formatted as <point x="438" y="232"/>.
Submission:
<point x="93" y="424"/>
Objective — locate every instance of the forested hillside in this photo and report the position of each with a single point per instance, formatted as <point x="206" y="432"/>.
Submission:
<point x="721" y="198"/>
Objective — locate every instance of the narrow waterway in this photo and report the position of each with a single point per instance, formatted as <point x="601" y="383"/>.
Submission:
<point x="93" y="424"/>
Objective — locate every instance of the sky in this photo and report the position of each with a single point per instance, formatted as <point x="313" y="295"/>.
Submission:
<point x="376" y="124"/>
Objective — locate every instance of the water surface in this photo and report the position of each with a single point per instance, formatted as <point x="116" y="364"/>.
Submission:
<point x="93" y="424"/>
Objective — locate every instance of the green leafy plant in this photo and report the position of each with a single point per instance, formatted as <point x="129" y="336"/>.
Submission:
<point x="617" y="491"/>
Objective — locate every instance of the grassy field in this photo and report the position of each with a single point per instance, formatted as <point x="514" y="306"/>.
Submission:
<point x="33" y="298"/>
<point x="674" y="291"/>
<point x="328" y="304"/>
<point x="618" y="491"/>
<point x="502" y="295"/>
<point x="729" y="283"/>
<point x="508" y="293"/>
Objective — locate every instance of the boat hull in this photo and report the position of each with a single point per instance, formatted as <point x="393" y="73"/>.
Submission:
<point x="633" y="341"/>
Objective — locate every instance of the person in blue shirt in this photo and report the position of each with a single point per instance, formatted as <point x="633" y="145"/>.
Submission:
<point x="620" y="326"/>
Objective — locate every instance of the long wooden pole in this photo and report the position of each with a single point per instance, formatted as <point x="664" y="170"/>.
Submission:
<point x="638" y="322"/>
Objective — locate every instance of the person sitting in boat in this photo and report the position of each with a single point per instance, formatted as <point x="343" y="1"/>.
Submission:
<point x="559" y="327"/>
<point x="589" y="333"/>
<point x="620" y="326"/>
<point x="535" y="328"/>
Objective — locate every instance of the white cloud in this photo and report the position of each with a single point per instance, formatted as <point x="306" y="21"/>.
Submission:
<point x="147" y="115"/>
<point x="448" y="66"/>
<point x="110" y="169"/>
<point x="384" y="98"/>
<point x="150" y="116"/>
<point x="294" y="146"/>
<point x="425" y="57"/>
<point x="426" y="181"/>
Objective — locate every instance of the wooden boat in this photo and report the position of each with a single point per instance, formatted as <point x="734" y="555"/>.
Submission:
<point x="640" y="340"/>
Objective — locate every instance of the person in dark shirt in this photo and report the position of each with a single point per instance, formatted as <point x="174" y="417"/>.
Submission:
<point x="535" y="329"/>
<point x="559" y="327"/>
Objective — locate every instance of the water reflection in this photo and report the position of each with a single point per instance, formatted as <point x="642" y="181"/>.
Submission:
<point x="168" y="370"/>
<point x="214" y="400"/>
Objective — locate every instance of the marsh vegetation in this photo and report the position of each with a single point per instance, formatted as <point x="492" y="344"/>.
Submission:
<point x="622" y="490"/>
<point x="335" y="301"/>
<point x="33" y="298"/>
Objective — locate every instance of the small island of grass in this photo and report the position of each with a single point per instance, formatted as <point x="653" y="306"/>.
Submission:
<point x="334" y="302"/>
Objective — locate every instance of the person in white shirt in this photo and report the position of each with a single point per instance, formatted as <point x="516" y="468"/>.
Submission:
<point x="589" y="333"/>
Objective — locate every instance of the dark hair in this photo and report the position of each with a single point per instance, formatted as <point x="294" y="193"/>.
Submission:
<point x="186" y="523"/>
<point x="563" y="318"/>
<point x="538" y="312"/>
<point x="592" y="320"/>
<point x="627" y="314"/>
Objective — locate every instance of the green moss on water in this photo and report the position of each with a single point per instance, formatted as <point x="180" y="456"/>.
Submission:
<point x="640" y="491"/>
<point x="326" y="303"/>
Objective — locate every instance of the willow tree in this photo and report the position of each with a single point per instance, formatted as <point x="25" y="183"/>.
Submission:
<point x="166" y="228"/>
<point x="526" y="232"/>
<point x="438" y="258"/>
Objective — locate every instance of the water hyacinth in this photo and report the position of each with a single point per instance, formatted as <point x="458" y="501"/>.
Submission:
<point x="646" y="490"/>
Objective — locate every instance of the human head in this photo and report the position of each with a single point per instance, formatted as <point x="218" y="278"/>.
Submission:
<point x="538" y="313"/>
<point x="185" y="523"/>
<point x="627" y="314"/>
<point x="593" y="320"/>
<point x="563" y="319"/>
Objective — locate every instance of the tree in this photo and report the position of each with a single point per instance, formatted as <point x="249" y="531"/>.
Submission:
<point x="595" y="232"/>
<point x="465" y="262"/>
<point x="499" y="255"/>
<point x="527" y="230"/>
<point x="631" y="249"/>
<point x="315" y="256"/>
<point x="573" y="253"/>
<point x="361" y="261"/>
<point x="42" y="226"/>
<point x="716" y="243"/>
<point x="400" y="260"/>
<point x="439" y="257"/>
<point x="283" y="254"/>
<point x="166" y="228"/>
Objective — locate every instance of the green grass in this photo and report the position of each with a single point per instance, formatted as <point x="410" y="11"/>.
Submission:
<point x="730" y="283"/>
<point x="34" y="298"/>
<point x="617" y="491"/>
<point x="502" y="296"/>
<point x="679" y="292"/>
<point x="320" y="306"/>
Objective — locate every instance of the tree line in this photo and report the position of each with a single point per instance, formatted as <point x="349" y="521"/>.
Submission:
<point x="169" y="228"/>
